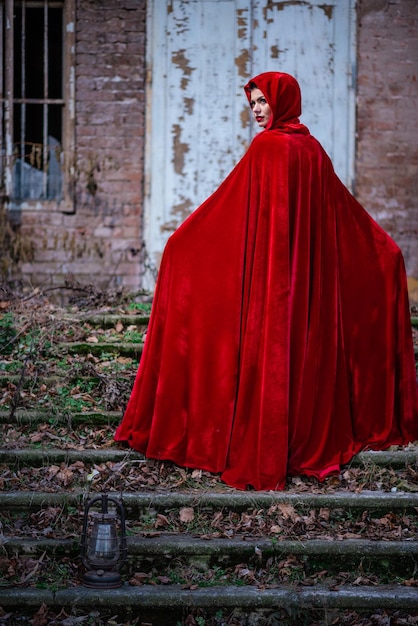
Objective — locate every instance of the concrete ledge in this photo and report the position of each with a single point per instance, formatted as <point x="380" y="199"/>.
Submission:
<point x="386" y="458"/>
<point x="171" y="545"/>
<point x="38" y="456"/>
<point x="183" y="544"/>
<point x="173" y="596"/>
<point x="31" y="416"/>
<point x="230" y="498"/>
<point x="110" y="319"/>
<point x="370" y="500"/>
<point x="80" y="347"/>
<point x="30" y="500"/>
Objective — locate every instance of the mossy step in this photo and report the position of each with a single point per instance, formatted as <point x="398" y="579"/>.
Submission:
<point x="108" y="320"/>
<point x="242" y="500"/>
<point x="173" y="545"/>
<point x="82" y="347"/>
<point x="145" y="600"/>
<point x="387" y="458"/>
<point x="134" y="503"/>
<point x="181" y="557"/>
<point x="37" y="456"/>
<point x="56" y="379"/>
<point x="34" y="417"/>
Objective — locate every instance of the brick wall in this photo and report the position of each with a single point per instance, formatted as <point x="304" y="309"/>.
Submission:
<point x="387" y="121"/>
<point x="100" y="242"/>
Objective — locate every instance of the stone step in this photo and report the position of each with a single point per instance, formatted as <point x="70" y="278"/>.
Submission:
<point x="109" y="320"/>
<point x="33" y="417"/>
<point x="127" y="349"/>
<point x="130" y="349"/>
<point x="167" y="603"/>
<point x="166" y="546"/>
<point x="235" y="562"/>
<point x="135" y="503"/>
<point x="40" y="456"/>
<point x="36" y="457"/>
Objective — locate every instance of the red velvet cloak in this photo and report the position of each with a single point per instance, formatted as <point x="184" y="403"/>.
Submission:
<point x="280" y="339"/>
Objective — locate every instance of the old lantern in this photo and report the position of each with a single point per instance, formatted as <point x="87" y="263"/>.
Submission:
<point x="103" y="542"/>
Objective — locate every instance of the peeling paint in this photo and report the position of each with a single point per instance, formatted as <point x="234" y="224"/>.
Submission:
<point x="179" y="150"/>
<point x="179" y="58"/>
<point x="245" y="117"/>
<point x="242" y="23"/>
<point x="242" y="62"/>
<point x="282" y="5"/>
<point x="181" y="211"/>
<point x="328" y="9"/>
<point x="189" y="105"/>
<point x="275" y="52"/>
<point x="169" y="227"/>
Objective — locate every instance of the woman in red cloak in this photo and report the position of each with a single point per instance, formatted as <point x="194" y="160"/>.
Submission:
<point x="280" y="338"/>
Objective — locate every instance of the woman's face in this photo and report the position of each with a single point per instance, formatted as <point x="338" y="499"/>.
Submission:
<point x="260" y="108"/>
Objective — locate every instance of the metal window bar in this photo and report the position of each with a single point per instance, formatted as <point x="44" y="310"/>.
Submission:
<point x="23" y="93"/>
<point x="2" y="154"/>
<point x="45" y="105"/>
<point x="8" y="99"/>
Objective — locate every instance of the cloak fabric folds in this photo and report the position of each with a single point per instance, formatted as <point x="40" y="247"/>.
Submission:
<point x="280" y="338"/>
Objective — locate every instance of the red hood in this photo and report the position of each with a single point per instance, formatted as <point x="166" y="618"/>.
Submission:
<point x="283" y="95"/>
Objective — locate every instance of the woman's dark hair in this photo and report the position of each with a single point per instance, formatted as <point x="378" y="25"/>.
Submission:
<point x="252" y="85"/>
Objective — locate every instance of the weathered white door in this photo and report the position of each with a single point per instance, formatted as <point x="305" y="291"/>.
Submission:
<point x="200" y="54"/>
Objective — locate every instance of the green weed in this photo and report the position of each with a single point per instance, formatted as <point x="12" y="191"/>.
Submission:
<point x="8" y="333"/>
<point x="133" y="336"/>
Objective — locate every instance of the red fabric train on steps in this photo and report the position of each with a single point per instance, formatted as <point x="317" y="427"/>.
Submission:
<point x="280" y="339"/>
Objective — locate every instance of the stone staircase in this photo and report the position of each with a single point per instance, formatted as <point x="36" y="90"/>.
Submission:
<point x="199" y="552"/>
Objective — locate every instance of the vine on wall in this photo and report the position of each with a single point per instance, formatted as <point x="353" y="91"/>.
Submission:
<point x="14" y="247"/>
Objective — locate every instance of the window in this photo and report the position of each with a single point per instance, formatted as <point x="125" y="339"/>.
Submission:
<point x="37" y="100"/>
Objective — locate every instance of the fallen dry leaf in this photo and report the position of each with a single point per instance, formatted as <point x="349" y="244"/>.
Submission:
<point x="217" y="519"/>
<point x="186" y="515"/>
<point x="324" y="513"/>
<point x="164" y="580"/>
<point x="41" y="617"/>
<point x="138" y="579"/>
<point x="276" y="529"/>
<point x="161" y="520"/>
<point x="288" y="511"/>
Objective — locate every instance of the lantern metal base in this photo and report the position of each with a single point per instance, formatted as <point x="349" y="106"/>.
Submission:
<point x="99" y="579"/>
